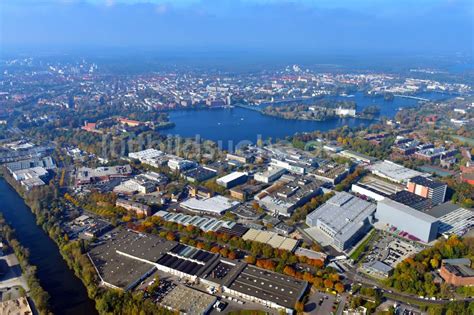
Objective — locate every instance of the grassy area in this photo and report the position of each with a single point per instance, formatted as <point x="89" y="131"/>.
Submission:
<point x="469" y="141"/>
<point x="357" y="253"/>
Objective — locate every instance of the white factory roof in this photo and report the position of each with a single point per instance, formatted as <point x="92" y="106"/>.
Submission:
<point x="456" y="222"/>
<point x="145" y="154"/>
<point x="230" y="177"/>
<point x="30" y="173"/>
<point x="393" y="171"/>
<point x="216" y="204"/>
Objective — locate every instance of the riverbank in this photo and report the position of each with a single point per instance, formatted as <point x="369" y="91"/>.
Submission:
<point x="75" y="293"/>
<point x="38" y="231"/>
<point x="34" y="290"/>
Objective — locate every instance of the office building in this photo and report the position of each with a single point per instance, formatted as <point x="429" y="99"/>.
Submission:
<point x="87" y="175"/>
<point x="179" y="164"/>
<point x="270" y="175"/>
<point x="198" y="174"/>
<point x="284" y="196"/>
<point x="331" y="173"/>
<point x="232" y="179"/>
<point x="428" y="188"/>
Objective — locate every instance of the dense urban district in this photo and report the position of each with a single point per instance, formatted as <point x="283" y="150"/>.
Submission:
<point x="372" y="219"/>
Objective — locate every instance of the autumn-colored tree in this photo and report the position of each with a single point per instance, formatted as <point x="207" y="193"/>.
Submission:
<point x="299" y="306"/>
<point x="339" y="287"/>
<point x="200" y="245"/>
<point x="328" y="284"/>
<point x="317" y="282"/>
<point x="308" y="277"/>
<point x="232" y="255"/>
<point x="224" y="251"/>
<point x="434" y="263"/>
<point x="288" y="270"/>
<point x="170" y="236"/>
<point x="334" y="277"/>
<point x="215" y="249"/>
<point x="266" y="264"/>
<point x="318" y="263"/>
<point x="250" y="259"/>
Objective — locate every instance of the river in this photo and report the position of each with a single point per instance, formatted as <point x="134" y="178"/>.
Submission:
<point x="68" y="294"/>
<point x="233" y="125"/>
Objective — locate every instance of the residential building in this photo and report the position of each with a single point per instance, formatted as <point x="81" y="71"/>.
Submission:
<point x="457" y="272"/>
<point x="138" y="208"/>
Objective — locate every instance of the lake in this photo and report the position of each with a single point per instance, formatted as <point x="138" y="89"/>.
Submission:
<point x="230" y="126"/>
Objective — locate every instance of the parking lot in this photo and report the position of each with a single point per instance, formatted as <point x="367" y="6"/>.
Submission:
<point x="392" y="250"/>
<point x="168" y="282"/>
<point x="321" y="303"/>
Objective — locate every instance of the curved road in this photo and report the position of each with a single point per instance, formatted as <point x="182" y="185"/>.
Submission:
<point x="356" y="277"/>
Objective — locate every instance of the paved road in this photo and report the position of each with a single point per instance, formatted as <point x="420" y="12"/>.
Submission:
<point x="356" y="277"/>
<point x="341" y="305"/>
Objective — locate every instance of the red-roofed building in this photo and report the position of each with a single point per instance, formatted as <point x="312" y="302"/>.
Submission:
<point x="129" y="122"/>
<point x="90" y="127"/>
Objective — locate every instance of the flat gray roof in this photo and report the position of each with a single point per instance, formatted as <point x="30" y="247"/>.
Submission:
<point x="116" y="268"/>
<point x="344" y="213"/>
<point x="270" y="286"/>
<point x="408" y="210"/>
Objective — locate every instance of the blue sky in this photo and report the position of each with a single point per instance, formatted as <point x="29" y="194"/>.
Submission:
<point x="325" y="26"/>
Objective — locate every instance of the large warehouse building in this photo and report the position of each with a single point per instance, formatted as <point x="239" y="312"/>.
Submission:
<point x="344" y="218"/>
<point x="418" y="224"/>
<point x="126" y="258"/>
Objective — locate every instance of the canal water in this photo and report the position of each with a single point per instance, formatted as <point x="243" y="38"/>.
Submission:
<point x="68" y="294"/>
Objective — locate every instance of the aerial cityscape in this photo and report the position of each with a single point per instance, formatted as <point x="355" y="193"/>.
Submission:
<point x="236" y="157"/>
